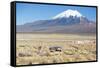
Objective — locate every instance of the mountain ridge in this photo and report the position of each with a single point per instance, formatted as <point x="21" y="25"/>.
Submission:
<point x="63" y="24"/>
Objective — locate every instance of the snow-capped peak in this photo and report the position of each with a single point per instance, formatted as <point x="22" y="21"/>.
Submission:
<point x="68" y="13"/>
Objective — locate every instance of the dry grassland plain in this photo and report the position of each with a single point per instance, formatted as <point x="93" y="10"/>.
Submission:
<point x="54" y="48"/>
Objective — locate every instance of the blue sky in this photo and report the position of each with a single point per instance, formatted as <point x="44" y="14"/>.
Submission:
<point x="26" y="12"/>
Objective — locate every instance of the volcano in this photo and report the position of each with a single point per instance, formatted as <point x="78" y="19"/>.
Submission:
<point x="69" y="21"/>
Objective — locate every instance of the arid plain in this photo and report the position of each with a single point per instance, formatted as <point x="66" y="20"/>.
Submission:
<point x="54" y="48"/>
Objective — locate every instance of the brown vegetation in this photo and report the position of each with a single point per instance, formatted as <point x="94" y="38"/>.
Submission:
<point x="54" y="48"/>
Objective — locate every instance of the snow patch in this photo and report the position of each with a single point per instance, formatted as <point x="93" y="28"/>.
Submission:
<point x="68" y="13"/>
